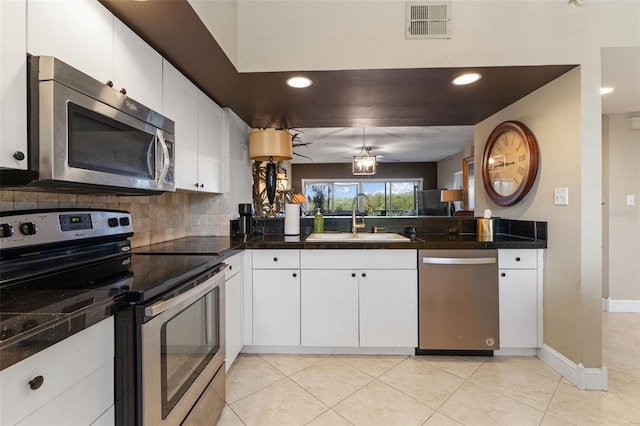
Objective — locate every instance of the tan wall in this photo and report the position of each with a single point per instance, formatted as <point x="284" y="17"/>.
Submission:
<point x="553" y="114"/>
<point x="156" y="218"/>
<point x="623" y="222"/>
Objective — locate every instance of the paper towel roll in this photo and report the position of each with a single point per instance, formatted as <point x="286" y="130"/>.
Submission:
<point x="292" y="219"/>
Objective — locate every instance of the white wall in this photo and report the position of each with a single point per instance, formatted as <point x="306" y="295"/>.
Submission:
<point x="222" y="15"/>
<point x="354" y="34"/>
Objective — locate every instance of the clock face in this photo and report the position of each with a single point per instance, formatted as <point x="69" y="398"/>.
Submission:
<point x="510" y="163"/>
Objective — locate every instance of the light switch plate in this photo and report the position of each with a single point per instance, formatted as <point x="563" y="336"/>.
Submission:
<point x="630" y="200"/>
<point x="561" y="196"/>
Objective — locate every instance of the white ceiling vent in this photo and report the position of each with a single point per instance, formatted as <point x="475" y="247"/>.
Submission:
<point x="428" y="20"/>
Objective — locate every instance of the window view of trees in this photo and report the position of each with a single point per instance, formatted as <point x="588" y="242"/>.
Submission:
<point x="387" y="197"/>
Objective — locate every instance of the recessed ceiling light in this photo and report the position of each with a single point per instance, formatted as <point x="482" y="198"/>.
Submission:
<point x="298" y="82"/>
<point x="468" y="78"/>
<point x="605" y="90"/>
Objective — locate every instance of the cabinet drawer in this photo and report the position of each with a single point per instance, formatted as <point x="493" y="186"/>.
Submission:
<point x="61" y="365"/>
<point x="276" y="259"/>
<point x="235" y="265"/>
<point x="96" y="393"/>
<point x="358" y="259"/>
<point x="517" y="259"/>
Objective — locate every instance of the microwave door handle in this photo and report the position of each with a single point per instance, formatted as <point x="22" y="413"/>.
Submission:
<point x="165" y="155"/>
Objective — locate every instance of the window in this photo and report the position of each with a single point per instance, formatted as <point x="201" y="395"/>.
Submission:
<point x="388" y="197"/>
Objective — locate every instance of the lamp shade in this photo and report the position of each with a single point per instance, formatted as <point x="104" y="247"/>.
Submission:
<point x="448" y="195"/>
<point x="267" y="144"/>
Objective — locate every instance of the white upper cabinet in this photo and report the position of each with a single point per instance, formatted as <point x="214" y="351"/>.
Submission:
<point x="78" y="32"/>
<point x="210" y="145"/>
<point x="180" y="103"/>
<point x="85" y="35"/>
<point x="13" y="84"/>
<point x="137" y="67"/>
<point x="238" y="168"/>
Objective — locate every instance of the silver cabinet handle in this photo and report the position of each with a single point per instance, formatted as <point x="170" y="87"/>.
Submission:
<point x="459" y="260"/>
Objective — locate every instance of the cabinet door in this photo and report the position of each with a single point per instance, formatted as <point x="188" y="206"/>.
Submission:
<point x="13" y="84"/>
<point x="238" y="172"/>
<point x="137" y="67"/>
<point x="329" y="308"/>
<point x="78" y="32"/>
<point x="388" y="308"/>
<point x="276" y="307"/>
<point x="210" y="149"/>
<point x="518" y="308"/>
<point x="233" y="318"/>
<point x="180" y="103"/>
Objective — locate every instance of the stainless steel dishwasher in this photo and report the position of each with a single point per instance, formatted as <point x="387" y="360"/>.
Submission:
<point x="458" y="302"/>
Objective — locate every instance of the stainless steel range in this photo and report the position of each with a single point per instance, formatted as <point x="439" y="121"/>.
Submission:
<point x="169" y="309"/>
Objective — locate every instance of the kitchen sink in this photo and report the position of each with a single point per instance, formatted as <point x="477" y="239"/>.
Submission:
<point x="349" y="237"/>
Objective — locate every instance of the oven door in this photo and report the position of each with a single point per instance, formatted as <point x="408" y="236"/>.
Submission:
<point x="182" y="345"/>
<point x="83" y="140"/>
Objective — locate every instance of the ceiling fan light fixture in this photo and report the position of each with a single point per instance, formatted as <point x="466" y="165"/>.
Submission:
<point x="467" y="78"/>
<point x="363" y="164"/>
<point x="299" y="82"/>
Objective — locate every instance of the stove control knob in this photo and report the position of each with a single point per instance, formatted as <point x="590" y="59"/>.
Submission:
<point x="28" y="228"/>
<point x="6" y="230"/>
<point x="112" y="222"/>
<point x="124" y="221"/>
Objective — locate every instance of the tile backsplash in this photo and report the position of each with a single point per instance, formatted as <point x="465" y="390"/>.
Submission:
<point x="156" y="218"/>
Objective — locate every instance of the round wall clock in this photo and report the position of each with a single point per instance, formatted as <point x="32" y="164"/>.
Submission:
<point x="510" y="163"/>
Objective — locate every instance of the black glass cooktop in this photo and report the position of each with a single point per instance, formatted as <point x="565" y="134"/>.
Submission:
<point x="189" y="245"/>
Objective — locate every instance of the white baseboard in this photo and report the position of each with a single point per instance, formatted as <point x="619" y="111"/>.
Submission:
<point x="583" y="378"/>
<point x="516" y="352"/>
<point x="613" y="305"/>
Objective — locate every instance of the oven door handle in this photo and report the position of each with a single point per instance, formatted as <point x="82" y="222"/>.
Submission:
<point x="195" y="294"/>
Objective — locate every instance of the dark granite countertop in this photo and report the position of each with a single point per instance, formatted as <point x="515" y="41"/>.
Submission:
<point x="32" y="320"/>
<point x="422" y="241"/>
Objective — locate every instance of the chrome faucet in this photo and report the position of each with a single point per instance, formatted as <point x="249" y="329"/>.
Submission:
<point x="354" y="205"/>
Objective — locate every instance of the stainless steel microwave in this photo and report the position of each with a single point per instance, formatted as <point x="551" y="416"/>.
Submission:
<point x="87" y="137"/>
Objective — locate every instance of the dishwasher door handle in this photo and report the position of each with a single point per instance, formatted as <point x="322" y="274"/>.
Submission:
<point x="459" y="260"/>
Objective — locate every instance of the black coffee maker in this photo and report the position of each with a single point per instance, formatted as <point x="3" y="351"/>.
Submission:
<point x="246" y="214"/>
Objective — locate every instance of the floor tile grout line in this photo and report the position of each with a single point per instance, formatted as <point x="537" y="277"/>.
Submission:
<point x="503" y="394"/>
<point x="254" y="392"/>
<point x="555" y="391"/>
<point x="529" y="370"/>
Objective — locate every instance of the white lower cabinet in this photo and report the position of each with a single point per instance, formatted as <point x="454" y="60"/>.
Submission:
<point x="520" y="298"/>
<point x="77" y="381"/>
<point x="388" y="308"/>
<point x="359" y="298"/>
<point x="276" y="307"/>
<point x="234" y="312"/>
<point x="329" y="308"/>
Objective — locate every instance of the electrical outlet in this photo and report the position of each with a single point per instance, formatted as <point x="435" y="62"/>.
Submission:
<point x="561" y="196"/>
<point x="630" y="200"/>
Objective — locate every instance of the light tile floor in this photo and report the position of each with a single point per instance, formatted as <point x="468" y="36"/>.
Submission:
<point x="278" y="390"/>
